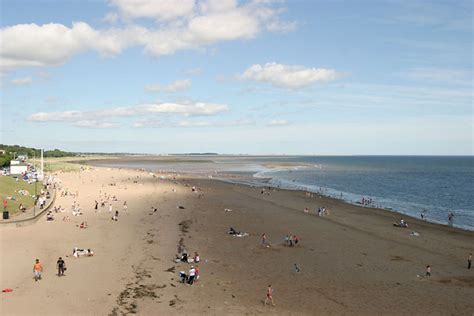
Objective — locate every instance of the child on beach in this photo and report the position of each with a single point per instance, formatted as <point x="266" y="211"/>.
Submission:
<point x="269" y="295"/>
<point x="428" y="271"/>
<point x="469" y="261"/>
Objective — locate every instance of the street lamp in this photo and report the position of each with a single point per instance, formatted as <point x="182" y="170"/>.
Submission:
<point x="36" y="197"/>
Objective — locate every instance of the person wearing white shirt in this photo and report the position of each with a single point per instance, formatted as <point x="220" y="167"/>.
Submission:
<point x="192" y="275"/>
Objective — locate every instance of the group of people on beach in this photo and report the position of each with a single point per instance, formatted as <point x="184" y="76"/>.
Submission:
<point x="38" y="268"/>
<point x="191" y="277"/>
<point x="402" y="224"/>
<point x="193" y="273"/>
<point x="291" y="240"/>
<point x="321" y="211"/>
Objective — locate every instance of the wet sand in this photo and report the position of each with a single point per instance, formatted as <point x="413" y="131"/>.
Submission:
<point x="352" y="261"/>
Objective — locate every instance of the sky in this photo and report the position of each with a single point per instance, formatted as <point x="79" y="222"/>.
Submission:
<point x="309" y="77"/>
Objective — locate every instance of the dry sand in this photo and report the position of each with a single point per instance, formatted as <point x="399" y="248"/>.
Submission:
<point x="352" y="261"/>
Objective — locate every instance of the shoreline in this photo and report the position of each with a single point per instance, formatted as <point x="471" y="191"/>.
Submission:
<point x="353" y="261"/>
<point x="230" y="178"/>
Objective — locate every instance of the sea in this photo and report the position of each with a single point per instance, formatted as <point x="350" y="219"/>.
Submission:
<point x="433" y="185"/>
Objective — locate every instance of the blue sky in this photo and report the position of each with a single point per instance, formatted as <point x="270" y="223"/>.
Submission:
<point x="251" y="77"/>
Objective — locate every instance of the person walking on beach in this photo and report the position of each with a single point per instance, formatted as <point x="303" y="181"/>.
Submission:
<point x="264" y="240"/>
<point x="469" y="261"/>
<point x="96" y="205"/>
<point x="428" y="271"/>
<point x="297" y="269"/>
<point x="269" y="295"/>
<point x="125" y="206"/>
<point x="451" y="219"/>
<point x="37" y="270"/>
<point x="61" y="265"/>
<point x="192" y="275"/>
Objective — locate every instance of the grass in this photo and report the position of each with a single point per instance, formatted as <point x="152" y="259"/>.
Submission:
<point x="9" y="187"/>
<point x="58" y="164"/>
<point x="53" y="166"/>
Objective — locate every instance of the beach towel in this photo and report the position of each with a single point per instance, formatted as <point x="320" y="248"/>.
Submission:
<point x="241" y="235"/>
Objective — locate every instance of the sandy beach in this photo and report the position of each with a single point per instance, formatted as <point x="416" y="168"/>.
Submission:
<point x="352" y="261"/>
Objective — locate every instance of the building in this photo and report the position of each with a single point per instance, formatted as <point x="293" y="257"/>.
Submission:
<point x="2" y="152"/>
<point x="17" y="167"/>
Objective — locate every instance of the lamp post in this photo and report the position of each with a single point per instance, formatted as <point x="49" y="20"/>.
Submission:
<point x="36" y="197"/>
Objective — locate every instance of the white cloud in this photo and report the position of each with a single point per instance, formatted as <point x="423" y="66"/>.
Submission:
<point x="195" y="109"/>
<point x="288" y="76"/>
<point x="148" y="123"/>
<point x="100" y="117"/>
<point x="153" y="123"/>
<point x="183" y="25"/>
<point x="94" y="124"/>
<point x="111" y="17"/>
<point x="157" y="9"/>
<point x="22" y="81"/>
<point x="278" y="123"/>
<point x="32" y="45"/>
<point x="193" y="124"/>
<point x="56" y="116"/>
<point x="231" y="25"/>
<point x="178" y="85"/>
<point x="213" y="6"/>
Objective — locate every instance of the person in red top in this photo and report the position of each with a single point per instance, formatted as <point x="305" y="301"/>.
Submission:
<point x="269" y="295"/>
<point x="37" y="270"/>
<point x="196" y="278"/>
<point x="295" y="240"/>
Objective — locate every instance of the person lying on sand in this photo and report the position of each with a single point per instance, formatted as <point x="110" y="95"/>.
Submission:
<point x="232" y="231"/>
<point x="182" y="258"/>
<point x="78" y="252"/>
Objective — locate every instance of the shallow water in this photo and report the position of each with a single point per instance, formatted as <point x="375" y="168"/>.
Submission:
<point x="437" y="185"/>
